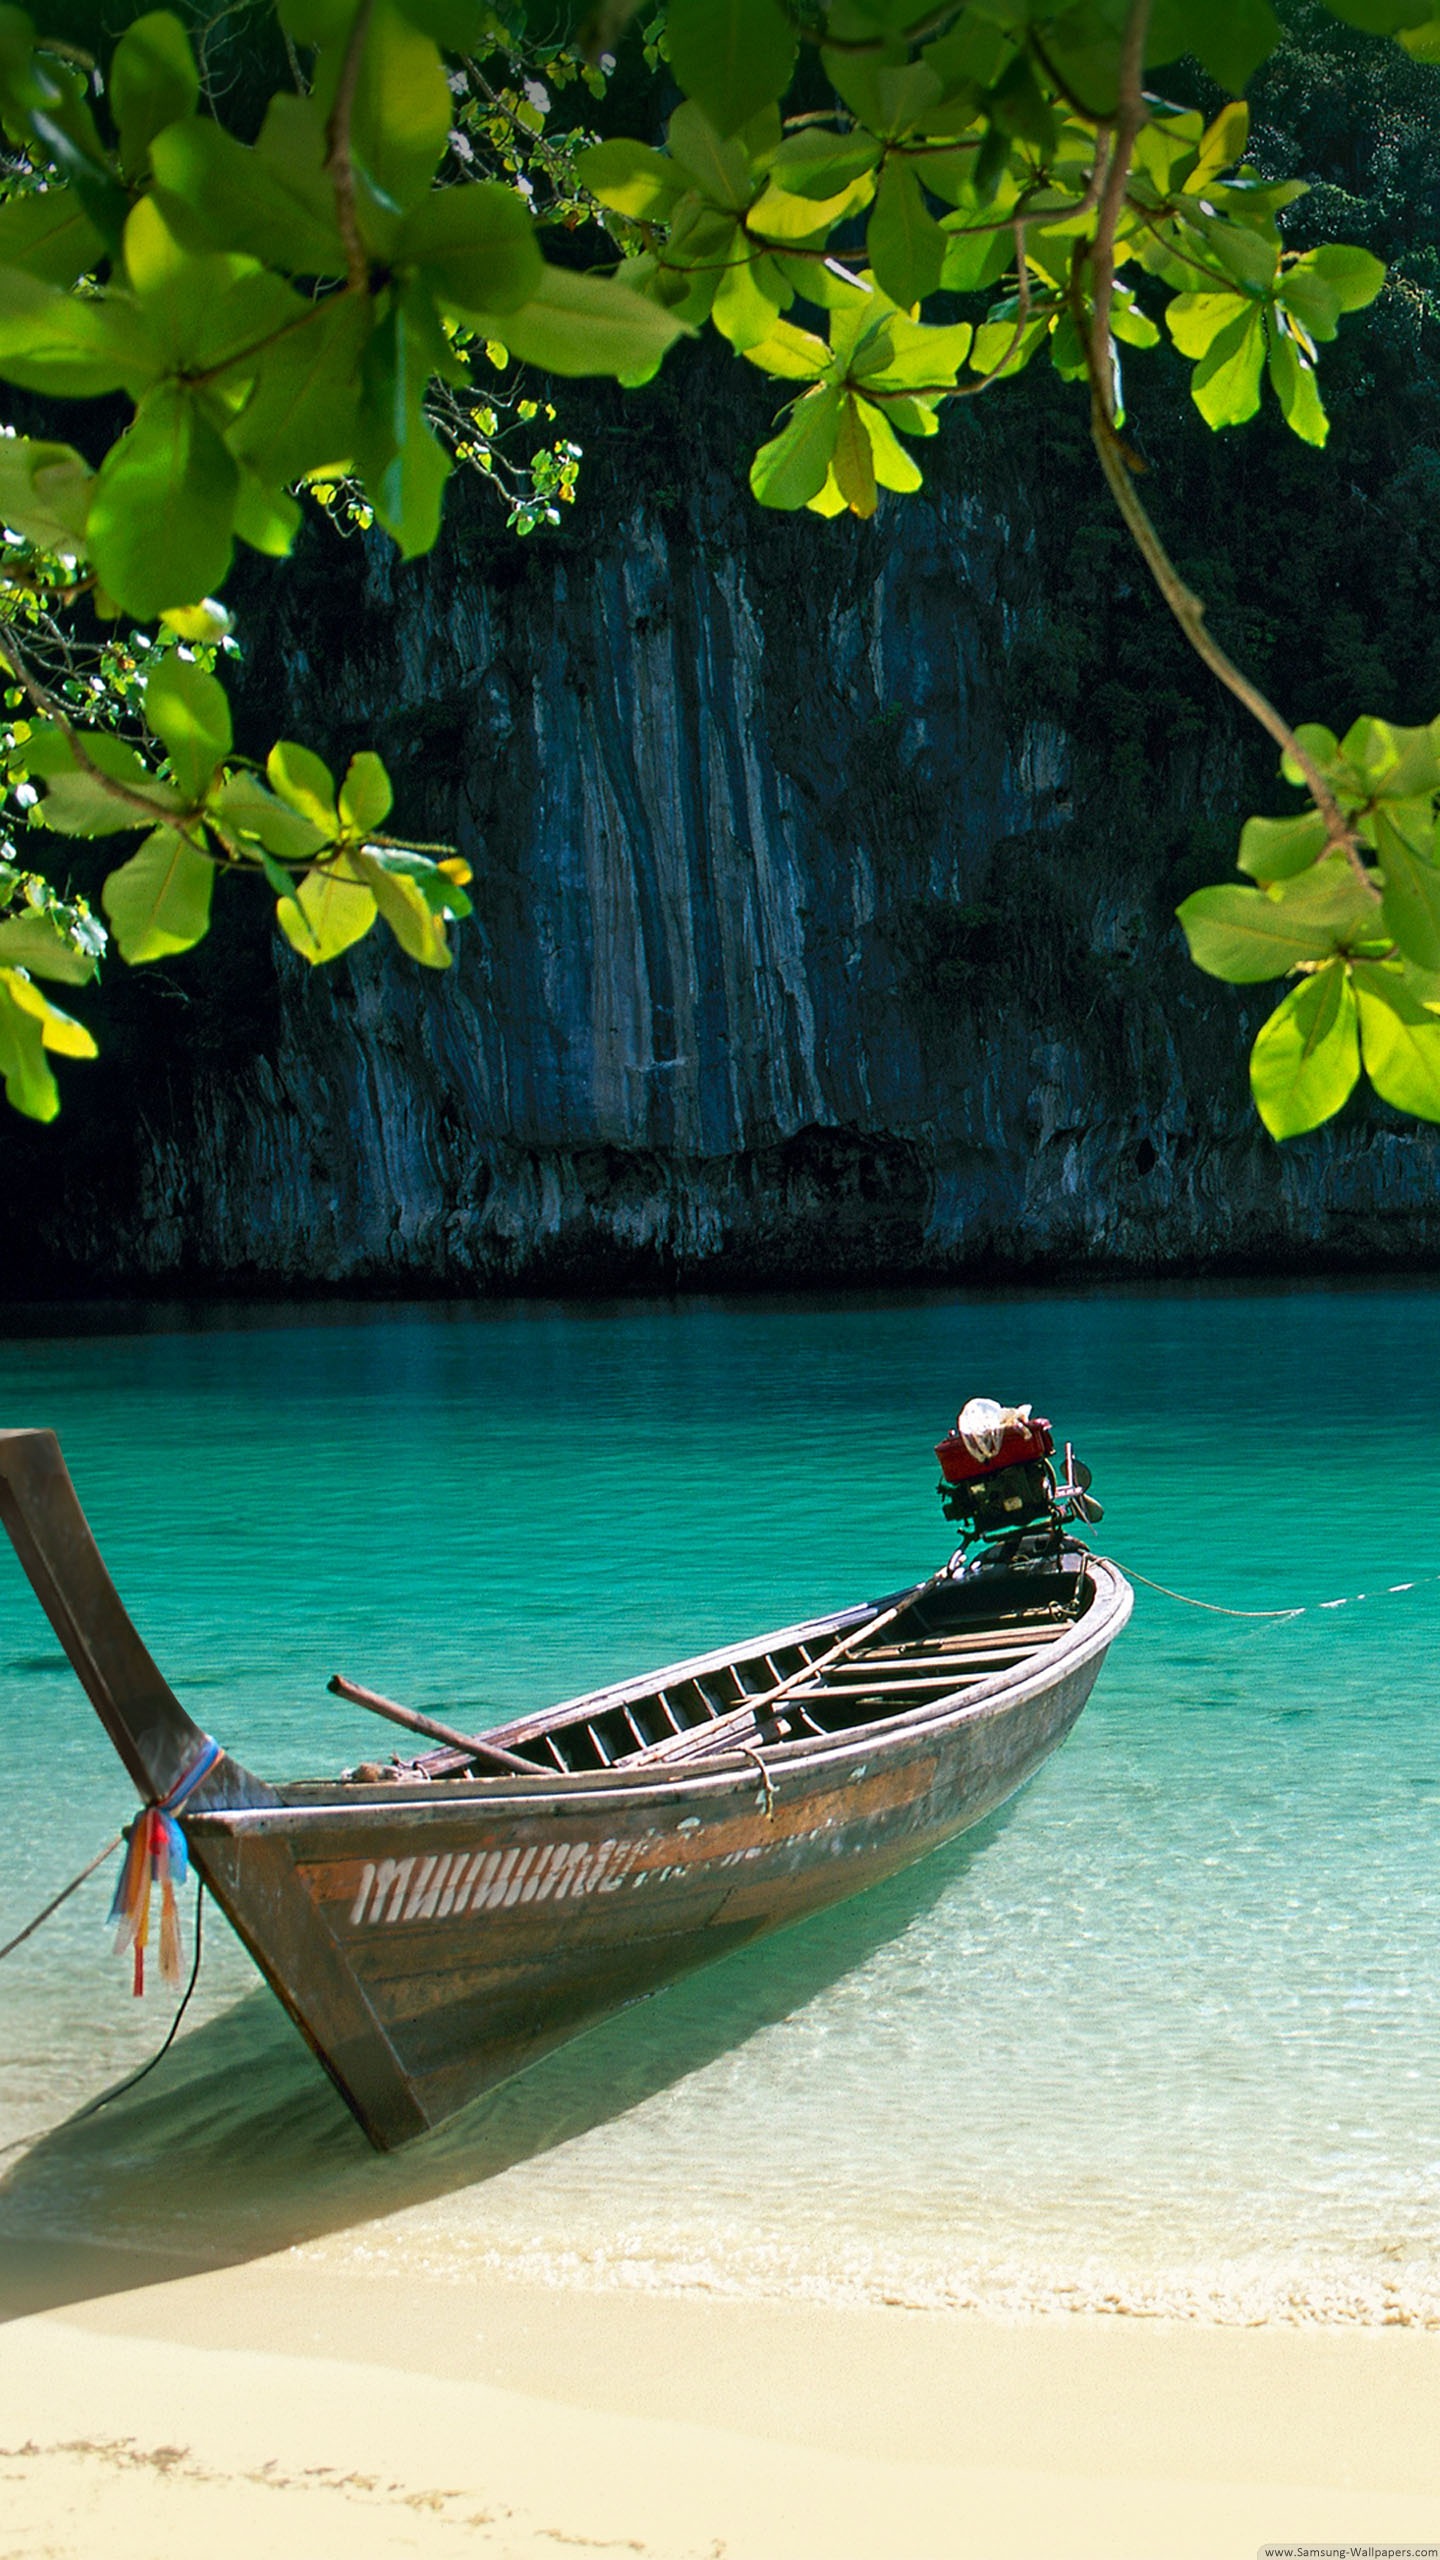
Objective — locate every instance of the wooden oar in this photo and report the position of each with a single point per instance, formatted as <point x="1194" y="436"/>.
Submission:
<point x="413" y="1722"/>
<point x="698" y="1741"/>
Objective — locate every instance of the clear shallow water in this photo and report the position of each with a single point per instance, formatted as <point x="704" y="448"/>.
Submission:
<point x="1165" y="2034"/>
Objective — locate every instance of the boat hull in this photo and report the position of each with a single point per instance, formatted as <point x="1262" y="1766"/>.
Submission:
<point x="432" y="1934"/>
<point x="429" y="1949"/>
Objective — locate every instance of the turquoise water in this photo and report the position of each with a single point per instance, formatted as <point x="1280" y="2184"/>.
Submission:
<point x="1164" y="2035"/>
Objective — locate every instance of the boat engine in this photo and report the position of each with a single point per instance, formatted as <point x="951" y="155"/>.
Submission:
<point x="997" y="1473"/>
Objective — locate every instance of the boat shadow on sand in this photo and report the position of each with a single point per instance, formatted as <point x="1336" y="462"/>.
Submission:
<point x="239" y="2146"/>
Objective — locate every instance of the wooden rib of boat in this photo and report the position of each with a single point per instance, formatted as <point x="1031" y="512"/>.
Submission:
<point x="433" y="1927"/>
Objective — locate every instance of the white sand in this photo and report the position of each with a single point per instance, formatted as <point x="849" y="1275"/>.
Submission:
<point x="277" y="2408"/>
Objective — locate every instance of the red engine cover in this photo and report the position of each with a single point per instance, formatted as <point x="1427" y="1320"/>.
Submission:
<point x="1033" y="1439"/>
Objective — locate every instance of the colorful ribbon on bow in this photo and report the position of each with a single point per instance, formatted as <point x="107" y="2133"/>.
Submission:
<point x="155" y="1853"/>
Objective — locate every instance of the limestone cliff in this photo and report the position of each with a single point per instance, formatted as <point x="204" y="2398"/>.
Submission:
<point x="824" y="882"/>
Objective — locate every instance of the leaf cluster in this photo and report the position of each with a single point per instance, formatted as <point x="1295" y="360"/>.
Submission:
<point x="301" y="302"/>
<point x="1353" y="916"/>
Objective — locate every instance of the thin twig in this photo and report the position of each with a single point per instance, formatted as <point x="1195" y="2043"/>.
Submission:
<point x="152" y="813"/>
<point x="339" y="168"/>
<point x="1117" y="463"/>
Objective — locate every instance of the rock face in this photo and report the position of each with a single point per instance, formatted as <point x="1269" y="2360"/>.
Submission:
<point x="811" y="942"/>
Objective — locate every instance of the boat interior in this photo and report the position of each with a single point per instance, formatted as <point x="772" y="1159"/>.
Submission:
<point x="911" y="1651"/>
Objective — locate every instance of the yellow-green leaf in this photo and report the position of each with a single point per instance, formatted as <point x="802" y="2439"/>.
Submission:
<point x="1306" y="1058"/>
<point x="299" y="778"/>
<point x="1400" y="1038"/>
<point x="330" y="910"/>
<point x="420" y="934"/>
<point x="159" y="901"/>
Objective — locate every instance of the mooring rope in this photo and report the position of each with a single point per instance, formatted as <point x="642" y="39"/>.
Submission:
<point x="62" y="1896"/>
<point x="1300" y="1609"/>
<point x="25" y="2141"/>
<point x="1213" y="1605"/>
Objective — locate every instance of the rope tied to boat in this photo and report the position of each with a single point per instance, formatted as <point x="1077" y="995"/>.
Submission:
<point x="156" y="1855"/>
<point x="1213" y="1606"/>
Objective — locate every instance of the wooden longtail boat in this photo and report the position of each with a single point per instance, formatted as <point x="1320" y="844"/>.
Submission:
<point x="433" y="1926"/>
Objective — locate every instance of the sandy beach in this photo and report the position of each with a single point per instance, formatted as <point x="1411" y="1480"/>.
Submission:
<point x="145" y="2410"/>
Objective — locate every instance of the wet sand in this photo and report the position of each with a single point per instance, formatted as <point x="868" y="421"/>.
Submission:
<point x="279" y="2405"/>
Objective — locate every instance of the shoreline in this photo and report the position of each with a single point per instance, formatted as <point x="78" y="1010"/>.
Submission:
<point x="384" y="2412"/>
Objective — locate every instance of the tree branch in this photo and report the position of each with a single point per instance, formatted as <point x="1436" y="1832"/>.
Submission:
<point x="339" y="168"/>
<point x="1117" y="463"/>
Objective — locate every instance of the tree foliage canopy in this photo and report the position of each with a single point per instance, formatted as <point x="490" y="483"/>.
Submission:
<point x="308" y="279"/>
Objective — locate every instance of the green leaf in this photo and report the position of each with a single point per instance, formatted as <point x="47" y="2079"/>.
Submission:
<point x="1276" y="848"/>
<point x="159" y="901"/>
<point x="46" y="109"/>
<point x="747" y="299"/>
<point x="1392" y="763"/>
<point x="1306" y="1058"/>
<point x="304" y="784"/>
<point x="893" y="467"/>
<point x="329" y="910"/>
<point x="1327" y="282"/>
<point x="477" y="246"/>
<point x="821" y="165"/>
<point x="302" y="412"/>
<point x="1244" y="936"/>
<point x="1400" y="1041"/>
<point x="159" y="530"/>
<point x="1002" y="348"/>
<point x="189" y="714"/>
<point x="1381" y="17"/>
<point x="463" y="26"/>
<point x="1251" y="257"/>
<point x="1225" y="385"/>
<point x="792" y="355"/>
<point x="438" y="882"/>
<point x="882" y="90"/>
<point x="50" y="235"/>
<point x="203" y="310"/>
<point x="1195" y="320"/>
<point x="153" y="80"/>
<point x="853" y="461"/>
<point x="76" y="801"/>
<point x="246" y="810"/>
<point x="792" y="468"/>
<point x="906" y="246"/>
<point x="1292" y="379"/>
<point x="402" y="462"/>
<point x="974" y="259"/>
<point x="631" y="178"/>
<point x="365" y="795"/>
<point x="207" y="621"/>
<point x="405" y="909"/>
<point x="731" y="56"/>
<point x="1410" y="908"/>
<point x="794" y="222"/>
<point x="720" y="165"/>
<point x="577" y="324"/>
<point x="70" y="347"/>
<point x="1319" y="743"/>
<point x="29" y="1085"/>
<point x="268" y="519"/>
<point x="1230" y="37"/>
<point x="904" y="355"/>
<point x="45" y="492"/>
<point x="1330" y="896"/>
<point x="217" y="193"/>
<point x="31" y="940"/>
